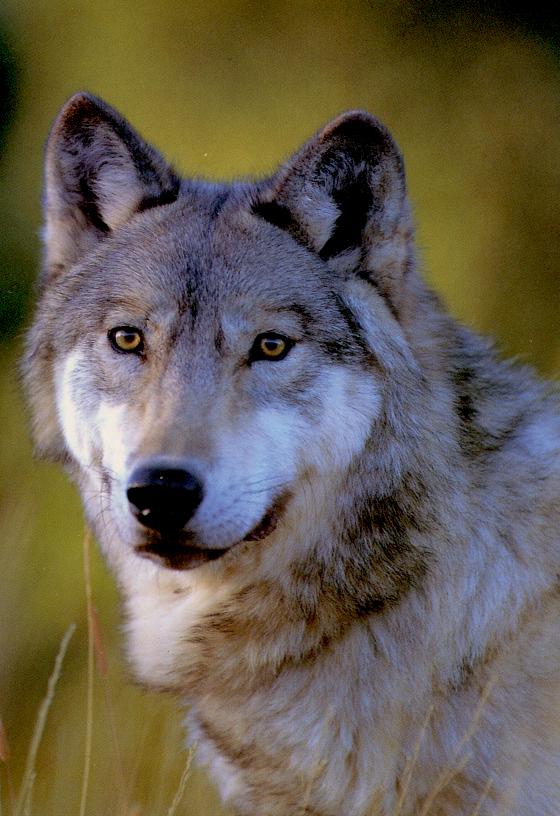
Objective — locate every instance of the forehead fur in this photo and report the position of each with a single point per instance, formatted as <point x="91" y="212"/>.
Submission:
<point x="198" y="253"/>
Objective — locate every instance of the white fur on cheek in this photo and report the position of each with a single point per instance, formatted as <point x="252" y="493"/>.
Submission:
<point x="91" y="427"/>
<point x="114" y="436"/>
<point x="351" y="402"/>
<point x="75" y="425"/>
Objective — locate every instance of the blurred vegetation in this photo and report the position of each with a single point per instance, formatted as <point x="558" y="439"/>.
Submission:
<point x="471" y="91"/>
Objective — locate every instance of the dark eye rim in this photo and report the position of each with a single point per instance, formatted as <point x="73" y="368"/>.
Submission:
<point x="257" y="355"/>
<point x="111" y="336"/>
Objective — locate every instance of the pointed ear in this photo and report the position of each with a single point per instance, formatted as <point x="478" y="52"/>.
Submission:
<point x="99" y="172"/>
<point x="343" y="195"/>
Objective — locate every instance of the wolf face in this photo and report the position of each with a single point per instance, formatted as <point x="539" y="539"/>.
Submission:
<point x="312" y="484"/>
<point x="249" y="378"/>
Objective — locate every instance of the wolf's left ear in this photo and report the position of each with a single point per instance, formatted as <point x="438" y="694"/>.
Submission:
<point x="343" y="195"/>
<point x="99" y="172"/>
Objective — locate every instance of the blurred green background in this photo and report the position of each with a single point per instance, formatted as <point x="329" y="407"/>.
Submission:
<point x="471" y="91"/>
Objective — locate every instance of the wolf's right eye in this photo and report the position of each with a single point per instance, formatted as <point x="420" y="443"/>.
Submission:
<point x="126" y="339"/>
<point x="270" y="346"/>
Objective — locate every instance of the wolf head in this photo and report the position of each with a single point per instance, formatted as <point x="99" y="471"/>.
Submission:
<point x="216" y="364"/>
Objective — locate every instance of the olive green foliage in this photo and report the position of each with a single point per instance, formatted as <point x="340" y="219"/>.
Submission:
<point x="228" y="89"/>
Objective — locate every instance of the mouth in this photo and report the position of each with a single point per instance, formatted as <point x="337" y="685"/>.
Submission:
<point x="265" y="527"/>
<point x="176" y="550"/>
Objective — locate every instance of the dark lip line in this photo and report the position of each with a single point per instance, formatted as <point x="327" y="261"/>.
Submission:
<point x="182" y="559"/>
<point x="182" y="556"/>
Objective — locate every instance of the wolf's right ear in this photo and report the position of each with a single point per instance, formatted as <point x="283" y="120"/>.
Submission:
<point x="343" y="196"/>
<point x="99" y="172"/>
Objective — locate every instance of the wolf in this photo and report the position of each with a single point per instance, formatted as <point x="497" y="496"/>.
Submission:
<point x="333" y="512"/>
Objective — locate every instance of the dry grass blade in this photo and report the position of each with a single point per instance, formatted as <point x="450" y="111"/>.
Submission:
<point x="97" y="656"/>
<point x="411" y="764"/>
<point x="318" y="769"/>
<point x="99" y="649"/>
<point x="442" y="782"/>
<point x="476" y="716"/>
<point x="321" y="762"/>
<point x="123" y="789"/>
<point x="459" y="763"/>
<point x="90" y="665"/>
<point x="29" y="773"/>
<point x="182" y="784"/>
<point x="29" y="800"/>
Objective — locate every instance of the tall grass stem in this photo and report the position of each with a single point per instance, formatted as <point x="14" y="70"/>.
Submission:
<point x="90" y="669"/>
<point x="29" y="773"/>
<point x="182" y="785"/>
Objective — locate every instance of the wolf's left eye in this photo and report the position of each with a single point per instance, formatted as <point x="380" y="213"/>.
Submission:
<point x="270" y="346"/>
<point x="126" y="339"/>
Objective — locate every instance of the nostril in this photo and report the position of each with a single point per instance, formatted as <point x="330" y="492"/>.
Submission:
<point x="164" y="499"/>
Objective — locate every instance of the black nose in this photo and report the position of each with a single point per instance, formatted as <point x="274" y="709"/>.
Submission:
<point x="163" y="499"/>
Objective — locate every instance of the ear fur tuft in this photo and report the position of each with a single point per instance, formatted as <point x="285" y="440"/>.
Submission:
<point x="99" y="173"/>
<point x="343" y="195"/>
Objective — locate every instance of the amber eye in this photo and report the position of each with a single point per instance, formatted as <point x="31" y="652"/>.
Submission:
<point x="271" y="346"/>
<point x="127" y="339"/>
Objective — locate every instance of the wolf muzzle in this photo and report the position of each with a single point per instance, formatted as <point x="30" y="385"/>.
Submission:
<point x="163" y="499"/>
